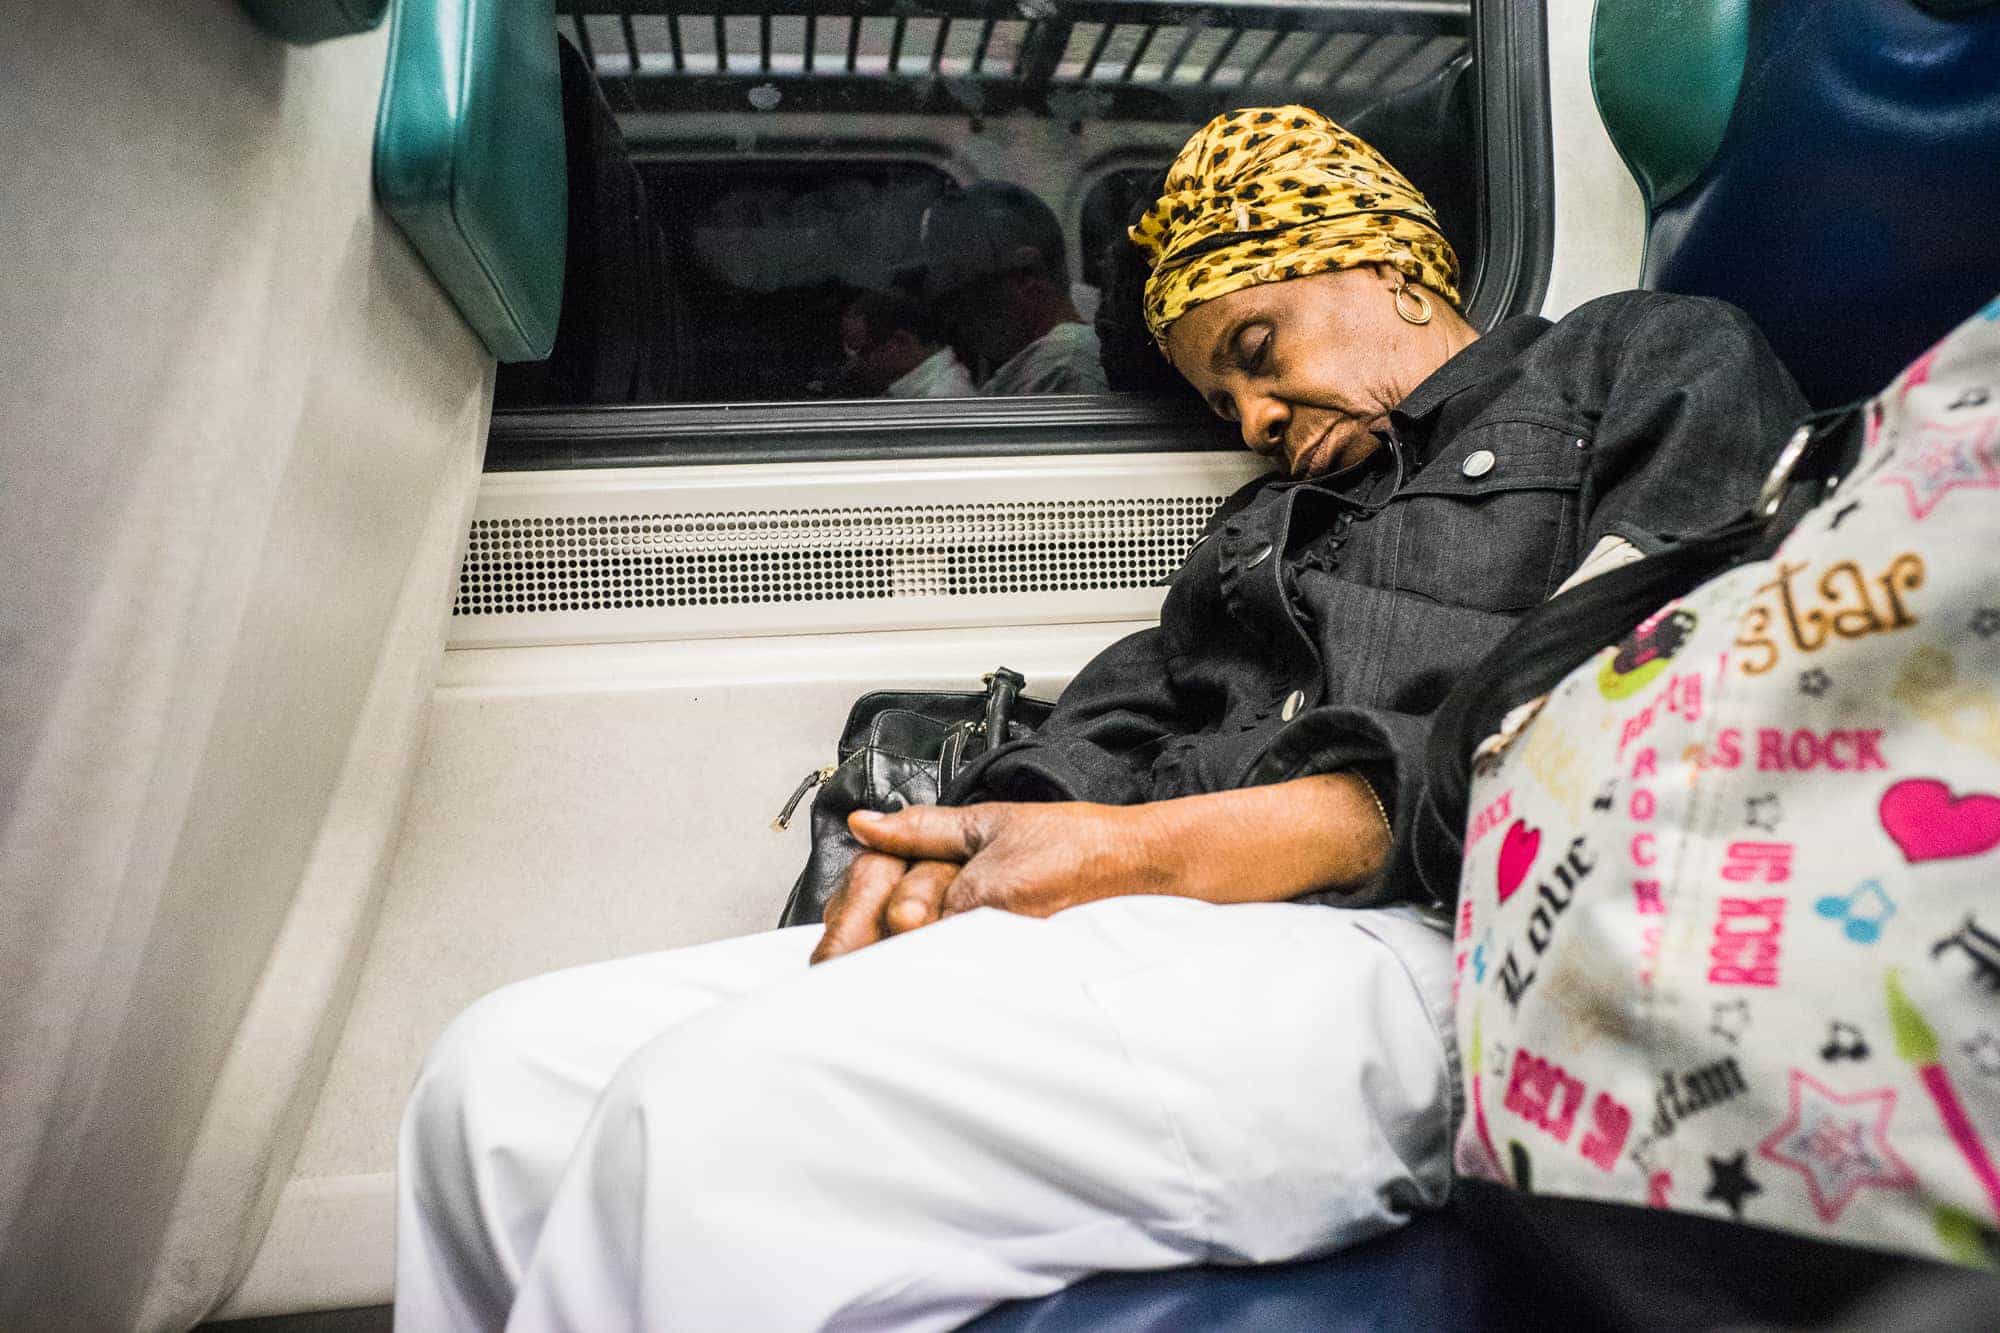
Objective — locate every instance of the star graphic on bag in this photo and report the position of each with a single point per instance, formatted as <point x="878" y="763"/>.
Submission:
<point x="1942" y="459"/>
<point x="1728" y="1019"/>
<point x="1839" y="1143"/>
<point x="1763" y="812"/>
<point x="1986" y="621"/>
<point x="1729" y="1182"/>
<point x="1984" y="1052"/>
<point x="1814" y="682"/>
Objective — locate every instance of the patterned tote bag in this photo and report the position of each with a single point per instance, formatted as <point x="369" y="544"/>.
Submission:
<point x="1729" y="920"/>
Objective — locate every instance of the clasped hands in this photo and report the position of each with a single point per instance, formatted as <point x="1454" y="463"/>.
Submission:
<point x="1256" y="844"/>
<point x="925" y="862"/>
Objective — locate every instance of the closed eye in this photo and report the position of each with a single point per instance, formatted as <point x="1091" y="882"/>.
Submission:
<point x="1260" y="355"/>
<point x="1253" y="348"/>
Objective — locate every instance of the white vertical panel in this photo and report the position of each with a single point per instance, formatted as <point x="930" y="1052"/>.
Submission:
<point x="1600" y="231"/>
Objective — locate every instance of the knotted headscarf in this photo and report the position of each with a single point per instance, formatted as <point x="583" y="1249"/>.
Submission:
<point x="1272" y="193"/>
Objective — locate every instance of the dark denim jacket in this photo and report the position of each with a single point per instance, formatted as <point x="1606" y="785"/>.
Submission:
<point x="1316" y="625"/>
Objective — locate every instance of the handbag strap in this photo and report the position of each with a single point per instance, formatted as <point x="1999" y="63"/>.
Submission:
<point x="1561" y="635"/>
<point x="1003" y="687"/>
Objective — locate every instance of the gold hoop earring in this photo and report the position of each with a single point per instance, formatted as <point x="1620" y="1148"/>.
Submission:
<point x="1417" y="294"/>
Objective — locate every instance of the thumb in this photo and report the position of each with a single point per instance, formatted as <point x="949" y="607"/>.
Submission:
<point x="921" y="832"/>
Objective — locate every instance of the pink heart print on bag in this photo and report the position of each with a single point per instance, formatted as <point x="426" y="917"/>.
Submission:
<point x="1930" y="824"/>
<point x="1517" y="856"/>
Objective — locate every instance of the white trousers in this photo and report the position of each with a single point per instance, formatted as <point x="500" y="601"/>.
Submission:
<point x="720" y="1138"/>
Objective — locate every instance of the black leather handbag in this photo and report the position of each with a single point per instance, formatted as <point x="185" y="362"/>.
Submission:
<point x="899" y="747"/>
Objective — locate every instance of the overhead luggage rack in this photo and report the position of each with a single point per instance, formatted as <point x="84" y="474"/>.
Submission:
<point x="1071" y="60"/>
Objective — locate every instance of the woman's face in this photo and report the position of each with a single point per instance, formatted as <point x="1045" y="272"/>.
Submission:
<point x="1310" y="367"/>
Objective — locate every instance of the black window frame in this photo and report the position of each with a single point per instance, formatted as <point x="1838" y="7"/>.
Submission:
<point x="1516" y="222"/>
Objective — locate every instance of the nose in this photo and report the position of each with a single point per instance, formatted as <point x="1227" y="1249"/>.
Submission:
<point x="1264" y="421"/>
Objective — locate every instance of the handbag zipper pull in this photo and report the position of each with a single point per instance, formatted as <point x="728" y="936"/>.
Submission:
<point x="806" y="784"/>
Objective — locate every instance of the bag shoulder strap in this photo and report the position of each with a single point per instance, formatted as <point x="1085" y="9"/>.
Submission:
<point x="1569" y="629"/>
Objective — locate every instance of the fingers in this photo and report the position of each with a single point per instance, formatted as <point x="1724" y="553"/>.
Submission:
<point x="854" y="914"/>
<point x="919" y="897"/>
<point x="927" y="832"/>
<point x="971" y="888"/>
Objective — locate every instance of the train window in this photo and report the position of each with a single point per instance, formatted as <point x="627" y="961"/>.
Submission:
<point x="835" y="194"/>
<point x="775" y="251"/>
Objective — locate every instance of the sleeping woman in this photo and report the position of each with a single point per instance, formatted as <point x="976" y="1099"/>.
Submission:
<point x="1159" y="986"/>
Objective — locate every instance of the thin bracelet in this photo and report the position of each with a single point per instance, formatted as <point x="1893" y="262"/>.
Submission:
<point x="1388" y="825"/>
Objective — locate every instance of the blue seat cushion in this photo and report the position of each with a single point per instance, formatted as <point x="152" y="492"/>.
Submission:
<point x="1851" y="204"/>
<point x="1432" y="1274"/>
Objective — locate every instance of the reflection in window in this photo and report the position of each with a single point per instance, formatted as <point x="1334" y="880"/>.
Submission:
<point x="893" y="346"/>
<point x="773" y="252"/>
<point x="789" y="159"/>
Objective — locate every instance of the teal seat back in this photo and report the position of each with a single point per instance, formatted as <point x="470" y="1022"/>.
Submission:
<point x="1827" y="165"/>
<point x="469" y="161"/>
<point x="1665" y="75"/>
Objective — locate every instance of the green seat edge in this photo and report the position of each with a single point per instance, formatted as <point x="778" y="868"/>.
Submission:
<point x="1665" y="75"/>
<point x="303" y="22"/>
<point x="510" y="293"/>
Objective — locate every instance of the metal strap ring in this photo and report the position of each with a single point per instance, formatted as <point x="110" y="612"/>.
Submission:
<point x="1779" y="480"/>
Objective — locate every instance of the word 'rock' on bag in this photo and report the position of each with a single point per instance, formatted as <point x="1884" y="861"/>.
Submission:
<point x="1729" y="918"/>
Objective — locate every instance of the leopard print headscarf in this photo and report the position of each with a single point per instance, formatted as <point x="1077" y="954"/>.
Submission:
<point x="1271" y="193"/>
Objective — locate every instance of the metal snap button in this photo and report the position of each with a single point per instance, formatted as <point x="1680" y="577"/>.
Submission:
<point x="1293" y="703"/>
<point x="1258" y="556"/>
<point x="1478" y="463"/>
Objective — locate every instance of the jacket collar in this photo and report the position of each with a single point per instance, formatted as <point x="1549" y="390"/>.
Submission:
<point x="1486" y="356"/>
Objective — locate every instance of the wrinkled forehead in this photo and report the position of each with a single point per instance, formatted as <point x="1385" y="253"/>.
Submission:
<point x="1194" y="338"/>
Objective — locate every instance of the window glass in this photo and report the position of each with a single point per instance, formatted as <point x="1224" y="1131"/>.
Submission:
<point x="774" y="253"/>
<point x="861" y="204"/>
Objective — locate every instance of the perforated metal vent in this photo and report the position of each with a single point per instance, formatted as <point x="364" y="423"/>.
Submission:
<point x="602" y="562"/>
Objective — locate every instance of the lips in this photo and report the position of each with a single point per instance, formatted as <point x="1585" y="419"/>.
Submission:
<point x="1301" y="463"/>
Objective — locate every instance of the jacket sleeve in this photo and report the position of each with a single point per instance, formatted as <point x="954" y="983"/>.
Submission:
<point x="1112" y="720"/>
<point x="1098" y="743"/>
<point x="1696" y="408"/>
